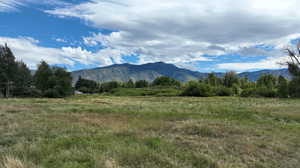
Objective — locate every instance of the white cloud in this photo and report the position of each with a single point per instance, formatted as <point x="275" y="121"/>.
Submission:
<point x="178" y="31"/>
<point x="28" y="50"/>
<point x="8" y="5"/>
<point x="268" y="63"/>
<point x="13" y="5"/>
<point x="61" y="40"/>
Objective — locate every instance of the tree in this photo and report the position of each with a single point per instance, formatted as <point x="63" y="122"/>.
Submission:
<point x="212" y="79"/>
<point x="267" y="80"/>
<point x="141" y="84"/>
<point x="165" y="81"/>
<point x="230" y="79"/>
<point x="283" y="88"/>
<point x="197" y="89"/>
<point x="63" y="82"/>
<point x="8" y="69"/>
<point x="294" y="69"/>
<point x="43" y="78"/>
<point x="130" y="84"/>
<point x="86" y="86"/>
<point x="109" y="86"/>
<point x="54" y="82"/>
<point x="23" y="80"/>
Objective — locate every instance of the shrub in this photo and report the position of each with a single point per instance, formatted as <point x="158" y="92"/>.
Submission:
<point x="259" y="92"/>
<point x="249" y="92"/>
<point x="283" y="89"/>
<point x="52" y="93"/>
<point x="32" y="92"/>
<point x="86" y="86"/>
<point x="294" y="88"/>
<point x="197" y="89"/>
<point x="224" y="91"/>
<point x="109" y="86"/>
<point x="165" y="81"/>
<point x="266" y="92"/>
<point x="141" y="84"/>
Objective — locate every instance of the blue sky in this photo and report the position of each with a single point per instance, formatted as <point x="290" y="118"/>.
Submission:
<point x="199" y="35"/>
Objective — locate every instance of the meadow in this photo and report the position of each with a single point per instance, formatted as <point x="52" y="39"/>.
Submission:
<point x="94" y="131"/>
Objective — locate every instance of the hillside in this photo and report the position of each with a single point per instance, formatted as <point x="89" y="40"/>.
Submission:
<point x="124" y="72"/>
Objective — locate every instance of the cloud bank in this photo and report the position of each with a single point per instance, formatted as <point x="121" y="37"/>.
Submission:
<point x="179" y="31"/>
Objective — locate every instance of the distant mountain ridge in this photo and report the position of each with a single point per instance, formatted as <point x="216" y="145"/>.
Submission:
<point x="150" y="71"/>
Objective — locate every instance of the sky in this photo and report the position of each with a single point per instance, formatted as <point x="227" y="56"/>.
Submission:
<point x="200" y="35"/>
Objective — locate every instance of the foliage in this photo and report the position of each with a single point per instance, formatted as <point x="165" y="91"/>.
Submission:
<point x="224" y="91"/>
<point x="213" y="80"/>
<point x="42" y="77"/>
<point x="266" y="92"/>
<point x="165" y="81"/>
<point x="267" y="80"/>
<point x="15" y="77"/>
<point x="294" y="88"/>
<point x="141" y="84"/>
<point x="53" y="82"/>
<point x="109" y="86"/>
<point x="259" y="92"/>
<point x="294" y="69"/>
<point x="283" y="87"/>
<point x="130" y="84"/>
<point x="197" y="89"/>
<point x="145" y="92"/>
<point x="230" y="79"/>
<point x="86" y="86"/>
<point x="249" y="92"/>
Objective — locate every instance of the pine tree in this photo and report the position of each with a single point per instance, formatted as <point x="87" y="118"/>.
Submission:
<point x="42" y="77"/>
<point x="23" y="80"/>
<point x="63" y="82"/>
<point x="8" y="69"/>
<point x="130" y="84"/>
<point x="230" y="79"/>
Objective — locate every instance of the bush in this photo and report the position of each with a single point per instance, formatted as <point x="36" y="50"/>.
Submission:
<point x="87" y="90"/>
<point x="27" y="92"/>
<point x="32" y="92"/>
<point x="249" y="92"/>
<point x="141" y="84"/>
<point x="197" y="89"/>
<point x="266" y="92"/>
<point x="259" y="92"/>
<point x="294" y="88"/>
<point x="52" y="93"/>
<point x="165" y="81"/>
<point x="224" y="91"/>
<point x="144" y="92"/>
<point x="109" y="86"/>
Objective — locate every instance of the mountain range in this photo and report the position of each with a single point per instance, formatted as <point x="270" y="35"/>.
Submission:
<point x="150" y="71"/>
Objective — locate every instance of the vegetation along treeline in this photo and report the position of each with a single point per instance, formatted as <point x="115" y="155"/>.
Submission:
<point x="16" y="80"/>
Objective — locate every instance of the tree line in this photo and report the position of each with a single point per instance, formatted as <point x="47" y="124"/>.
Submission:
<point x="16" y="79"/>
<point x="229" y="85"/>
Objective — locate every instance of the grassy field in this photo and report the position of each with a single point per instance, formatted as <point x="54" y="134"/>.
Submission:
<point x="153" y="132"/>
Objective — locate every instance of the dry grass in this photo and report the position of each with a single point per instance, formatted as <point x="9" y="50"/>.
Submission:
<point x="120" y="132"/>
<point x="10" y="162"/>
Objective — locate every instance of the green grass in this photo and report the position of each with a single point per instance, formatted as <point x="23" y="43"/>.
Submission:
<point x="178" y="132"/>
<point x="145" y="92"/>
